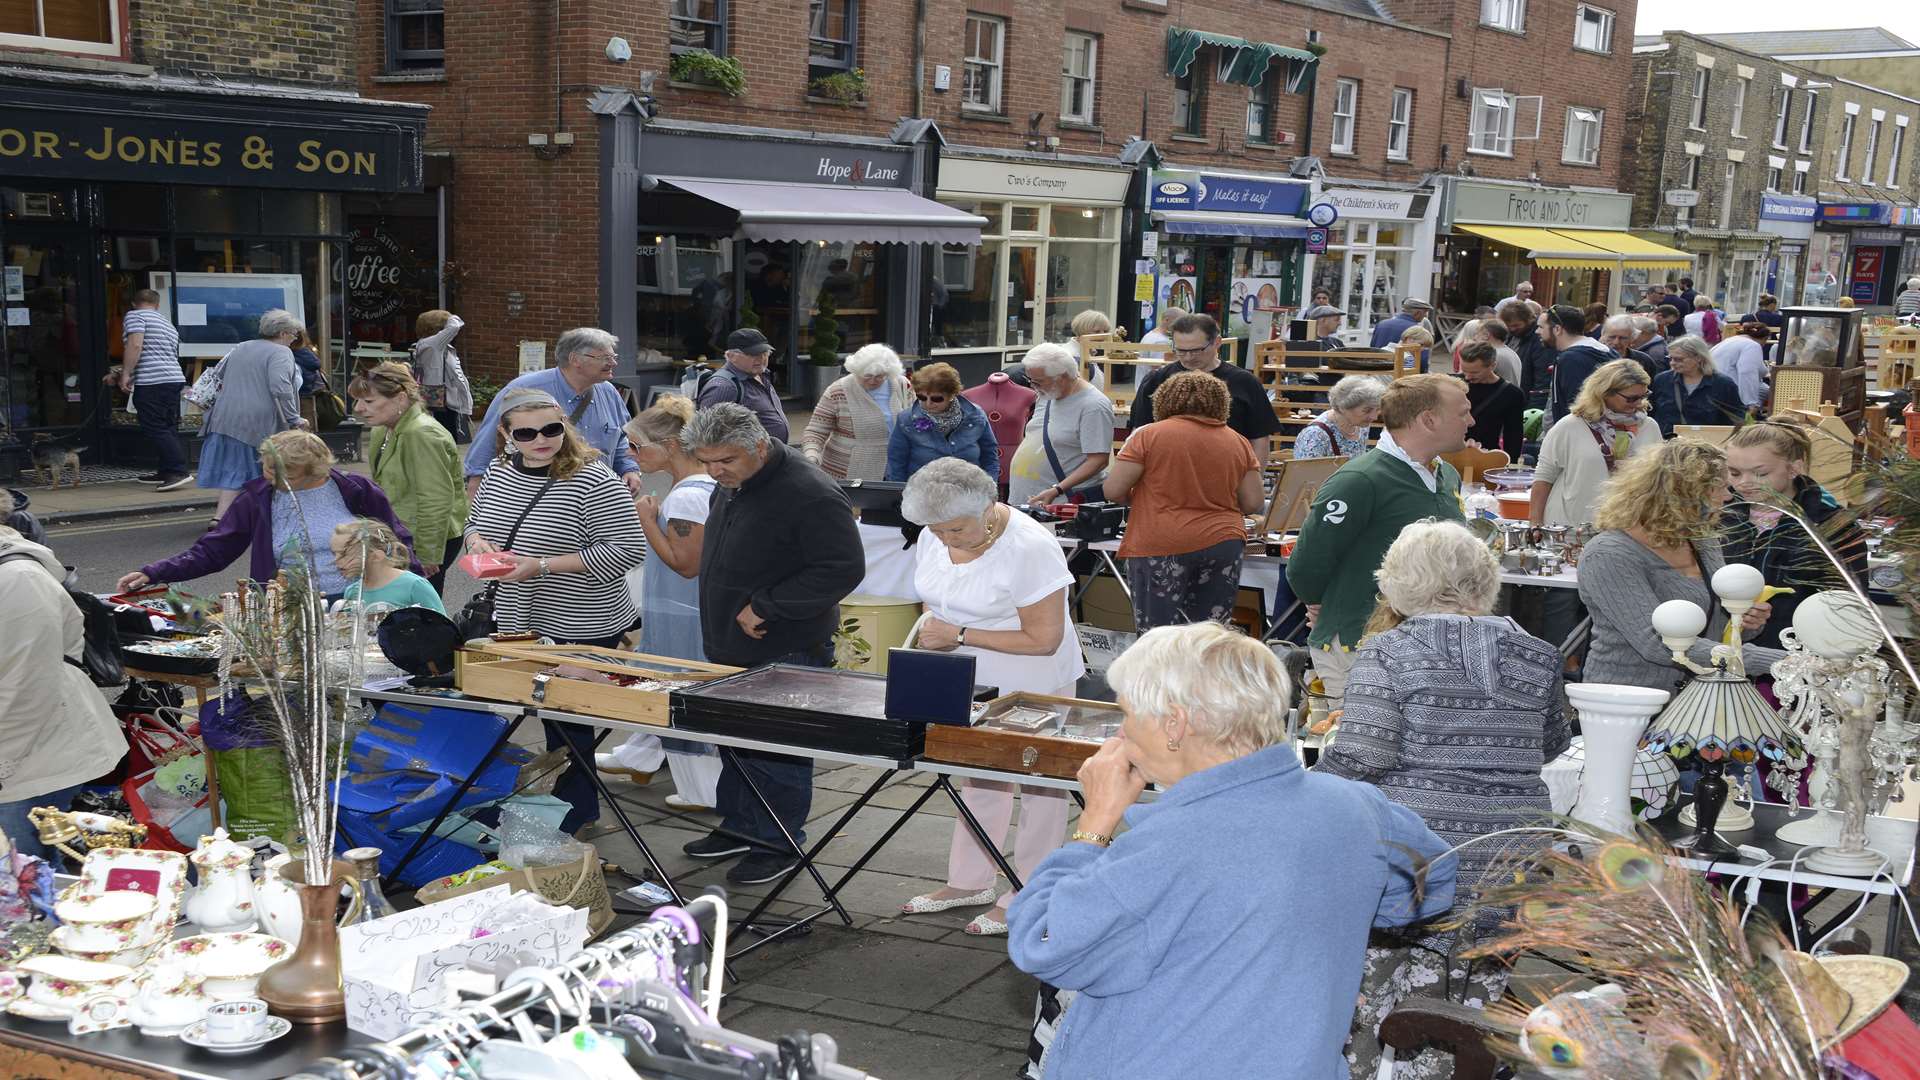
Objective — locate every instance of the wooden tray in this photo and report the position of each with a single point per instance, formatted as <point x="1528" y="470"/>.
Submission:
<point x="1033" y="753"/>
<point x="515" y="672"/>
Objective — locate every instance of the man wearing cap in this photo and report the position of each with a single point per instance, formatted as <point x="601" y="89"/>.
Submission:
<point x="1742" y="357"/>
<point x="743" y="380"/>
<point x="584" y="359"/>
<point x="1413" y="312"/>
<point x="1326" y="321"/>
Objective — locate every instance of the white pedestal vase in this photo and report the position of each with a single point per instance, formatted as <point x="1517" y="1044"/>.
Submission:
<point x="1612" y="719"/>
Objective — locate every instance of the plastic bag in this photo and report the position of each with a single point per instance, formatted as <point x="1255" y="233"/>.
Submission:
<point x="527" y="840"/>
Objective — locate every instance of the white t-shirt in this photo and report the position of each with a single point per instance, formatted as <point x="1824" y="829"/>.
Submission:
<point x="1021" y="568"/>
<point x="1743" y="360"/>
<point x="1571" y="461"/>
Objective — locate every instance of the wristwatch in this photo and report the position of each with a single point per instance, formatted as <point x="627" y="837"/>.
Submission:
<point x="961" y="637"/>
<point x="544" y="570"/>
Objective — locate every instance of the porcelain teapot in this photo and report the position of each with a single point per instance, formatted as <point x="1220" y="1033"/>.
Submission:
<point x="168" y="1000"/>
<point x="223" y="901"/>
<point x="277" y="895"/>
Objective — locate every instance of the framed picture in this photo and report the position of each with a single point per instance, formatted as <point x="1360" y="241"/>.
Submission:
<point x="37" y="204"/>
<point x="1295" y="483"/>
<point x="215" y="312"/>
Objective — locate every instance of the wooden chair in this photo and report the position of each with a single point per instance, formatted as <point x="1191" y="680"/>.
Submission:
<point x="1472" y="464"/>
<point x="1899" y="358"/>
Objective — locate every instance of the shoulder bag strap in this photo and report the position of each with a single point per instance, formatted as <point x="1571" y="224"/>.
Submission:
<point x="1046" y="443"/>
<point x="493" y="587"/>
<point x="1333" y="440"/>
<point x="573" y="418"/>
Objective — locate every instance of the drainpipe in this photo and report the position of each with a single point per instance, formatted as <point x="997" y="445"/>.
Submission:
<point x="919" y="57"/>
<point x="1306" y="130"/>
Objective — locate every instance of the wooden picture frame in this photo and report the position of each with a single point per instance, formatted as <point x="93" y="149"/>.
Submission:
<point x="1295" y="483"/>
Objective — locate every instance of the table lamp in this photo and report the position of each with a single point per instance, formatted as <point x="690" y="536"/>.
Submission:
<point x="1719" y="716"/>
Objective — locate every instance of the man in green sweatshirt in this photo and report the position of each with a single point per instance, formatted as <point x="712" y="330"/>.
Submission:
<point x="1359" y="511"/>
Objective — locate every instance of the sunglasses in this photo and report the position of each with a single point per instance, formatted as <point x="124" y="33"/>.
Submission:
<point x="551" y="431"/>
<point x="932" y="399"/>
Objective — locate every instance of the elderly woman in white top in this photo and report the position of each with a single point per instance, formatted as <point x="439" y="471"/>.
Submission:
<point x="1341" y="431"/>
<point x="995" y="587"/>
<point x="847" y="436"/>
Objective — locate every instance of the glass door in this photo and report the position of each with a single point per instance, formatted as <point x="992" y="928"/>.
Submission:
<point x="1023" y="268"/>
<point x="52" y="380"/>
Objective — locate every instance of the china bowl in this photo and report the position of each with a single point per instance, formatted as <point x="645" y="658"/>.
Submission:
<point x="104" y="922"/>
<point x="1516" y="505"/>
<point x="231" y="964"/>
<point x="132" y="956"/>
<point x="1519" y="478"/>
<point x="63" y="982"/>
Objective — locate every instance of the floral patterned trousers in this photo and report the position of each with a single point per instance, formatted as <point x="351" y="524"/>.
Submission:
<point x="1196" y="586"/>
<point x="1398" y="969"/>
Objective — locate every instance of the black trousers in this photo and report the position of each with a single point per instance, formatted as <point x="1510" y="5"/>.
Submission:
<point x="158" y="405"/>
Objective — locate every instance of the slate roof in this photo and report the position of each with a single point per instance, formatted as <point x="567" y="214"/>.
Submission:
<point x="1812" y="42"/>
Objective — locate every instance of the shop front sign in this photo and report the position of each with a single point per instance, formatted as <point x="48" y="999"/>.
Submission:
<point x="707" y="156"/>
<point x="1366" y="203"/>
<point x="1872" y="213"/>
<point x="1511" y="204"/>
<point x="1907" y="216"/>
<point x="1882" y="237"/>
<point x="987" y="178"/>
<point x="373" y="270"/>
<point x="1174" y="189"/>
<point x="280" y="149"/>
<point x="1788" y="208"/>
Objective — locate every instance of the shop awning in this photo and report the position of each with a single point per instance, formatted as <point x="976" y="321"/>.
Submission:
<point x="808" y="212"/>
<point x="1241" y="61"/>
<point x="1215" y="223"/>
<point x="1572" y="249"/>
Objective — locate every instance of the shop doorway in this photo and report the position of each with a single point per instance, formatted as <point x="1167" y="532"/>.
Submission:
<point x="1871" y="275"/>
<point x="51" y="379"/>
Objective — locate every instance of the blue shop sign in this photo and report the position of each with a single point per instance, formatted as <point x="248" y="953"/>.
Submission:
<point x="1788" y="208"/>
<point x="1871" y="213"/>
<point x="1181" y="190"/>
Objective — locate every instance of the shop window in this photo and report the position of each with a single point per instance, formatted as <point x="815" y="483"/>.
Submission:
<point x="685" y="297"/>
<point x="1189" y="92"/>
<point x="1873" y="150"/>
<point x="416" y="35"/>
<point x="832" y="32"/>
<point x="1492" y="123"/>
<point x="1260" y="112"/>
<point x="1346" y="107"/>
<point x="1893" y="152"/>
<point x="1036" y="267"/>
<point x="985" y="63"/>
<point x="1582" y="143"/>
<point x="84" y="26"/>
<point x="217" y="209"/>
<point x="294" y="212"/>
<point x="1844" y="151"/>
<point x="849" y="275"/>
<point x="1740" y="87"/>
<point x="1400" y="124"/>
<point x="1079" y="278"/>
<point x="1504" y="14"/>
<point x="1593" y="29"/>
<point x="1079" y="53"/>
<point x="1702" y="82"/>
<point x="963" y="297"/>
<point x="1784" y="107"/>
<point x="1024" y="219"/>
<point x="1806" y="123"/>
<point x="697" y="24"/>
<point x="1081" y="222"/>
<point x="1365" y="269"/>
<point x="135" y="206"/>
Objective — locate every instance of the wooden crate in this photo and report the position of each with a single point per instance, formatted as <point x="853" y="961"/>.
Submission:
<point x="504" y="672"/>
<point x="1032" y="753"/>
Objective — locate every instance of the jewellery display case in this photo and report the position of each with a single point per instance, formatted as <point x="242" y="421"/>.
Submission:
<point x="589" y="679"/>
<point x="1038" y="734"/>
<point x="819" y="708"/>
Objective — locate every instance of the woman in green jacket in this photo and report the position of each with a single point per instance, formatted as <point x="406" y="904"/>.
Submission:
<point x="415" y="461"/>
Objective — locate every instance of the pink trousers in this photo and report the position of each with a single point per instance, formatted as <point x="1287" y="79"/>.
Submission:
<point x="1043" y="827"/>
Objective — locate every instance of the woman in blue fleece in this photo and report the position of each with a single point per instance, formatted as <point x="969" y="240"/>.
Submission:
<point x="1224" y="933"/>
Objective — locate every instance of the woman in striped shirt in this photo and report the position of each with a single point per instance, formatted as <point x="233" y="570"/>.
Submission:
<point x="575" y="539"/>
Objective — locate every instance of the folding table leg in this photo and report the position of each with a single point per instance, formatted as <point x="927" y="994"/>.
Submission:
<point x="992" y="846"/>
<point x="584" y="759"/>
<point x="793" y="845"/>
<point x="752" y="917"/>
<point x="392" y="880"/>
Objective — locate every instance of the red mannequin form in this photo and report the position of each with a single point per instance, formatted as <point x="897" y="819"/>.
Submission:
<point x="1008" y="406"/>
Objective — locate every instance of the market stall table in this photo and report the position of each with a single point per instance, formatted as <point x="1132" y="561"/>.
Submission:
<point x="37" y="1048"/>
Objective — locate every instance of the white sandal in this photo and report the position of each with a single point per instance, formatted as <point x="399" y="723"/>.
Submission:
<point x="928" y="904"/>
<point x="985" y="925"/>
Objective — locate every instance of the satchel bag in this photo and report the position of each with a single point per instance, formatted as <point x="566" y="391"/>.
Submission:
<point x="207" y="387"/>
<point x="476" y="619"/>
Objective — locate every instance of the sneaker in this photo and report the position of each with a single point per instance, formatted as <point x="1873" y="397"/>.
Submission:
<point x="675" y="802"/>
<point x="610" y="764"/>
<point x="716" y="845"/>
<point x="153" y="478"/>
<point x="761" y="867"/>
<point x="176" y="483"/>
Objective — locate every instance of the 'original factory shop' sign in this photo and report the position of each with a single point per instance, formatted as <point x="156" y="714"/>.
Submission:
<point x="275" y="151"/>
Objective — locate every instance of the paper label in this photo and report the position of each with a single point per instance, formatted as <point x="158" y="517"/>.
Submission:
<point x="193" y="315"/>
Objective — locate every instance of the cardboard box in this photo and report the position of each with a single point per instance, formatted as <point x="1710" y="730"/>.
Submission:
<point x="398" y="969"/>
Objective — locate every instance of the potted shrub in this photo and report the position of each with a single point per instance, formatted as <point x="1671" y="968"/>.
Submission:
<point x="823" y="355"/>
<point x="723" y="73"/>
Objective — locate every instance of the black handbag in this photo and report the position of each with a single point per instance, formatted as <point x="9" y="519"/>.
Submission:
<point x="476" y="618"/>
<point x="100" y="647"/>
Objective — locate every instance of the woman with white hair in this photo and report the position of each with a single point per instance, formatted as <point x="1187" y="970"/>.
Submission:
<point x="1064" y="453"/>
<point x="259" y="395"/>
<point x="1249" y="882"/>
<point x="1691" y="392"/>
<point x="1908" y="302"/>
<point x="994" y="583"/>
<point x="847" y="436"/>
<point x="1451" y="712"/>
<point x="1354" y="405"/>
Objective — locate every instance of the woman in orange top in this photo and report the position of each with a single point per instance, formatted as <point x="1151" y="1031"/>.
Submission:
<point x="1191" y="480"/>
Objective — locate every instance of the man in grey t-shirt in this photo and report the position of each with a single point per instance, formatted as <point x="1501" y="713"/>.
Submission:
<point x="150" y="372"/>
<point x="1073" y="418"/>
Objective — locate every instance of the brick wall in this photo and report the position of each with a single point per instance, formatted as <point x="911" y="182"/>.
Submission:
<point x="305" y="42"/>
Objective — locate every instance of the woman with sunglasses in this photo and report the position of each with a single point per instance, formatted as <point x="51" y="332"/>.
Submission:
<point x="568" y="525"/>
<point x="940" y="424"/>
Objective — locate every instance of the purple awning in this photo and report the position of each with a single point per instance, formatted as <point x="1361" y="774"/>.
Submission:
<point x="809" y="212"/>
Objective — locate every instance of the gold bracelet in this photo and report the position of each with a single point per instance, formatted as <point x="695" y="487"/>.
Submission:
<point x="1092" y="838"/>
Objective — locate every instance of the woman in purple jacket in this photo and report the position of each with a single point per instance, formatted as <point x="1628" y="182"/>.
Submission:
<point x="280" y="523"/>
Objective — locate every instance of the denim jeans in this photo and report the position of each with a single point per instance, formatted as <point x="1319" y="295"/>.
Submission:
<point x="20" y="830"/>
<point x="787" y="783"/>
<point x="575" y="784"/>
<point x="158" y="406"/>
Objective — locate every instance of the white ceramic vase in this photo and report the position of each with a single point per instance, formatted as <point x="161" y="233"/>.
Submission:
<point x="1612" y="718"/>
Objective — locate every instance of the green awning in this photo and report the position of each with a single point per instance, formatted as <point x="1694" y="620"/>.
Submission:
<point x="1242" y="61"/>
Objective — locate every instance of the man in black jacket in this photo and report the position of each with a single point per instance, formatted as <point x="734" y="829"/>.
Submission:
<point x="1536" y="357"/>
<point x="1564" y="327"/>
<point x="781" y="550"/>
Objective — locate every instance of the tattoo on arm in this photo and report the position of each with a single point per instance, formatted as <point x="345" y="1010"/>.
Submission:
<point x="681" y="529"/>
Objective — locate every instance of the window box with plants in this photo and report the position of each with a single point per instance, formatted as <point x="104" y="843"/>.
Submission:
<point x="702" y="68"/>
<point x="842" y="87"/>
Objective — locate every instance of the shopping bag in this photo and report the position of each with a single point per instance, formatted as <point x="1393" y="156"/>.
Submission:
<point x="579" y="883"/>
<point x="406" y="765"/>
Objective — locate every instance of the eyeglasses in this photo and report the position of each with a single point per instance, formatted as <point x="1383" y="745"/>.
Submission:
<point x="933" y="399"/>
<point x="1632" y="399"/>
<point x="604" y="358"/>
<point x="551" y="431"/>
<point x="1201" y="351"/>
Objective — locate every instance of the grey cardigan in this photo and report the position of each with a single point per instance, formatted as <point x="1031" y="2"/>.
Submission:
<point x="1621" y="582"/>
<point x="259" y="392"/>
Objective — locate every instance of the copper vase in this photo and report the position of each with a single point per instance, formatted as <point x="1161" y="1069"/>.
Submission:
<point x="306" y="987"/>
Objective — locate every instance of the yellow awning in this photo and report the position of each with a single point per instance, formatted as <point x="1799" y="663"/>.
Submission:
<point x="1600" y="249"/>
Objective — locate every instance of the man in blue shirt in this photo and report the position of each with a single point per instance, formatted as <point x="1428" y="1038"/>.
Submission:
<point x="743" y="380"/>
<point x="1413" y="312"/>
<point x="583" y="360"/>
